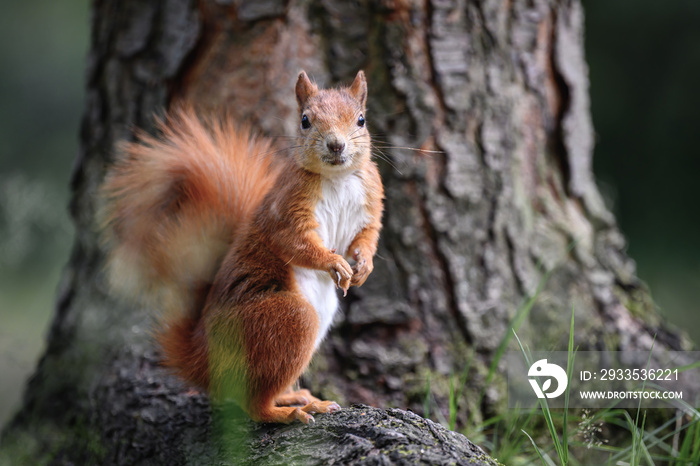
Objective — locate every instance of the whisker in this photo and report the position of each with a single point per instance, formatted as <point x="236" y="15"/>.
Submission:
<point x="279" y="118"/>
<point x="391" y="146"/>
<point x="356" y="130"/>
<point x="416" y="149"/>
<point x="379" y="154"/>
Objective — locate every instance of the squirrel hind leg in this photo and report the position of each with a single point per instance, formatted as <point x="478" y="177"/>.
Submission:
<point x="281" y="330"/>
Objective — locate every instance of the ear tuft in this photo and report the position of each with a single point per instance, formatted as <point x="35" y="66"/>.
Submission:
<point x="358" y="88"/>
<point x="305" y="89"/>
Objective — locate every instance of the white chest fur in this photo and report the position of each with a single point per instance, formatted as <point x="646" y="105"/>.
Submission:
<point x="341" y="215"/>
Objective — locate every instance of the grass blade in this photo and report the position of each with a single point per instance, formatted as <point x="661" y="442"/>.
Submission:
<point x="548" y="461"/>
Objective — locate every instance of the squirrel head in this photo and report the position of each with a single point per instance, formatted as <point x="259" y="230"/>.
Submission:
<point x="333" y="136"/>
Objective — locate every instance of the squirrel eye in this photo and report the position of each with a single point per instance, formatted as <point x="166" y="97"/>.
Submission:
<point x="361" y="121"/>
<point x="305" y="123"/>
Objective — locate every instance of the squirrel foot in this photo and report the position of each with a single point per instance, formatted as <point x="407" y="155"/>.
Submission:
<point x="286" y="415"/>
<point x="296" y="397"/>
<point x="321" y="407"/>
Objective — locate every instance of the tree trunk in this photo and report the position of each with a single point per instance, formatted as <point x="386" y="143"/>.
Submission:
<point x="497" y="89"/>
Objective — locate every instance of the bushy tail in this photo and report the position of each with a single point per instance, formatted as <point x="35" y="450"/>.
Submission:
<point x="173" y="203"/>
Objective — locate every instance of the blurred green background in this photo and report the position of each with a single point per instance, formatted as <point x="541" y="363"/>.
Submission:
<point x="644" y="59"/>
<point x="43" y="46"/>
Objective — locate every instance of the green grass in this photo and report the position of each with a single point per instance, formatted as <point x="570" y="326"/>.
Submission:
<point x="541" y="435"/>
<point x="611" y="436"/>
<point x="561" y="446"/>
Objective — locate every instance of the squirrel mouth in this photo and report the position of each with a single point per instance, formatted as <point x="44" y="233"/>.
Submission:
<point x="338" y="160"/>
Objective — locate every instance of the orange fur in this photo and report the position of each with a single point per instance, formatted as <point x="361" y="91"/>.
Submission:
<point x="215" y="226"/>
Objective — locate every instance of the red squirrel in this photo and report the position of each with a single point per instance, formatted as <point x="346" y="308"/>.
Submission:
<point x="243" y="245"/>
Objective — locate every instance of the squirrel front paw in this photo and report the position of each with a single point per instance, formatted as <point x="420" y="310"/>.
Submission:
<point x="341" y="273"/>
<point x="362" y="268"/>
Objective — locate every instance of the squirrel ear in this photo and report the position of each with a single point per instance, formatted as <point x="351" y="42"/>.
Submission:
<point x="359" y="88"/>
<point x="305" y="89"/>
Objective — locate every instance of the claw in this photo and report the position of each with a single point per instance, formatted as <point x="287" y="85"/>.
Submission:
<point x="338" y="275"/>
<point x="333" y="407"/>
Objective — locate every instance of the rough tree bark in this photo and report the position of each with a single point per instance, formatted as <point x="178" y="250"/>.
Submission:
<point x="498" y="88"/>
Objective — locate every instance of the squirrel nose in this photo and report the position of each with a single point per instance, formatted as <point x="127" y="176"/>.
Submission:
<point x="335" y="146"/>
